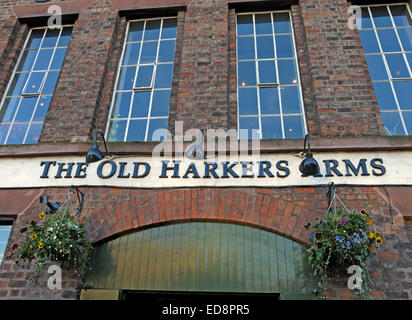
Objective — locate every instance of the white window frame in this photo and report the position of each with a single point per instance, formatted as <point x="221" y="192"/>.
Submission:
<point x="275" y="85"/>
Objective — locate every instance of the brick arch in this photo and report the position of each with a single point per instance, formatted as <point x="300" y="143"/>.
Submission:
<point x="268" y="209"/>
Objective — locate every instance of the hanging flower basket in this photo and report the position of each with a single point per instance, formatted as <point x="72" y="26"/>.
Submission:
<point x="59" y="237"/>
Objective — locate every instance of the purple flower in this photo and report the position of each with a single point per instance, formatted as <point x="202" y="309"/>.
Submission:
<point x="343" y="246"/>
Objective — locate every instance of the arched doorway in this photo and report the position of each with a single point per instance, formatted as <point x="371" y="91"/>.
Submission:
<point x="199" y="257"/>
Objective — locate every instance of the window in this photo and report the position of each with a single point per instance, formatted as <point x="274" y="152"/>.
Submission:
<point x="31" y="87"/>
<point x="141" y="102"/>
<point x="5" y="229"/>
<point x="269" y="91"/>
<point x="386" y="35"/>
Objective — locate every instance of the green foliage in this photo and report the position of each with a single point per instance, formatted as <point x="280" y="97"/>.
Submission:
<point x="339" y="240"/>
<point x="59" y="237"/>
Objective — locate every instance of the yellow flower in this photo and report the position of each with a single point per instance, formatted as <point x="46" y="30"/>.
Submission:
<point x="40" y="245"/>
<point x="41" y="215"/>
<point x="31" y="247"/>
<point x="65" y="251"/>
<point x="371" y="235"/>
<point x="378" y="240"/>
<point x="369" y="222"/>
<point x="33" y="236"/>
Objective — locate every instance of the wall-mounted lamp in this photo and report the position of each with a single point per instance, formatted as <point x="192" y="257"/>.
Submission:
<point x="195" y="151"/>
<point x="52" y="207"/>
<point x="309" y="166"/>
<point x="94" y="154"/>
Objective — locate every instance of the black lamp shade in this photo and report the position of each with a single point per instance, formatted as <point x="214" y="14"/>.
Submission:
<point x="94" y="154"/>
<point x="309" y="166"/>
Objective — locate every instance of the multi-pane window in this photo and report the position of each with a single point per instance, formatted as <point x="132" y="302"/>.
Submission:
<point x="141" y="103"/>
<point x="5" y="229"/>
<point x="268" y="85"/>
<point x="31" y="87"/>
<point x="386" y="35"/>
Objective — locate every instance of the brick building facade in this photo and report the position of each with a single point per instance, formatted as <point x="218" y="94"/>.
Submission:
<point x="340" y="108"/>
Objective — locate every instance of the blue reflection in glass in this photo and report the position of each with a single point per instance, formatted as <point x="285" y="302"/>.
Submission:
<point x="58" y="58"/>
<point x="9" y="109"/>
<point x="403" y="90"/>
<point x="126" y="78"/>
<point x="137" y="130"/>
<point x="135" y="31"/>
<point x="141" y="102"/>
<point x="167" y="51"/>
<point x="17" y="133"/>
<point x="132" y="54"/>
<point x="18" y="84"/>
<point x="248" y="104"/>
<point x="388" y="40"/>
<point x="381" y="17"/>
<point x="50" y="82"/>
<point x="152" y="30"/>
<point x="265" y="47"/>
<point x="392" y="123"/>
<point x="294" y="127"/>
<point x="376" y="67"/>
<point x="35" y="38"/>
<point x="26" y="109"/>
<point x="397" y="66"/>
<point x="282" y="23"/>
<point x="405" y="34"/>
<point x="27" y="60"/>
<point x="246" y="125"/>
<point x="267" y="71"/>
<point x="42" y="107"/>
<point x="246" y="73"/>
<point x="65" y="37"/>
<point x="407" y="117"/>
<point x="169" y="28"/>
<point x="4" y="129"/>
<point x="269" y="100"/>
<point x="384" y="95"/>
<point x="117" y="130"/>
<point x="43" y="59"/>
<point x="123" y="101"/>
<point x="369" y="42"/>
<point x="284" y="46"/>
<point x="365" y="21"/>
<point x="244" y="25"/>
<point x="271" y="128"/>
<point x="34" y="83"/>
<point x="287" y="72"/>
<point x="160" y="103"/>
<point x="33" y="135"/>
<point x="149" y="52"/>
<point x="290" y="100"/>
<point x="50" y="39"/>
<point x="164" y="76"/>
<point x="144" y="77"/>
<point x="409" y="58"/>
<point x="157" y="130"/>
<point x="263" y="23"/>
<point x="400" y="16"/>
<point x="245" y="48"/>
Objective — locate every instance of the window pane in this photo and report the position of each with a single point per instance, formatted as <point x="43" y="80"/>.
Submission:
<point x="43" y="59"/>
<point x="294" y="127"/>
<point x="381" y="17"/>
<point x="65" y="37"/>
<point x="137" y="130"/>
<point x="167" y="51"/>
<point x="376" y="67"/>
<point x="267" y="72"/>
<point x="282" y="23"/>
<point x="27" y="60"/>
<point x="269" y="100"/>
<point x="127" y="75"/>
<point x="403" y="91"/>
<point x="4" y="129"/>
<point x="388" y="40"/>
<point x="392" y="123"/>
<point x="9" y="109"/>
<point x="365" y="21"/>
<point x="149" y="52"/>
<point x="397" y="66"/>
<point x="117" y="130"/>
<point x="409" y="58"/>
<point x="244" y="25"/>
<point x="4" y="238"/>
<point x="132" y="54"/>
<point x="17" y="133"/>
<point x="58" y="58"/>
<point x="35" y="38"/>
<point x="26" y="109"/>
<point x="249" y="124"/>
<point x="400" y="15"/>
<point x="164" y="75"/>
<point x="135" y="31"/>
<point x="248" y="101"/>
<point x="42" y="108"/>
<point x="284" y="47"/>
<point x="405" y="34"/>
<point x="246" y="73"/>
<point x="245" y="48"/>
<point x="265" y="47"/>
<point x="152" y="30"/>
<point x="141" y="102"/>
<point x="160" y="104"/>
<point x="123" y="101"/>
<point x="287" y="72"/>
<point x="34" y="83"/>
<point x="33" y="134"/>
<point x="271" y="128"/>
<point x="369" y="42"/>
<point x="263" y="24"/>
<point x="144" y="77"/>
<point x="50" y="39"/>
<point x="384" y="96"/>
<point x="407" y="116"/>
<point x="169" y="29"/>
<point x="18" y="84"/>
<point x="157" y="124"/>
<point x="50" y="82"/>
<point x="290" y="99"/>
